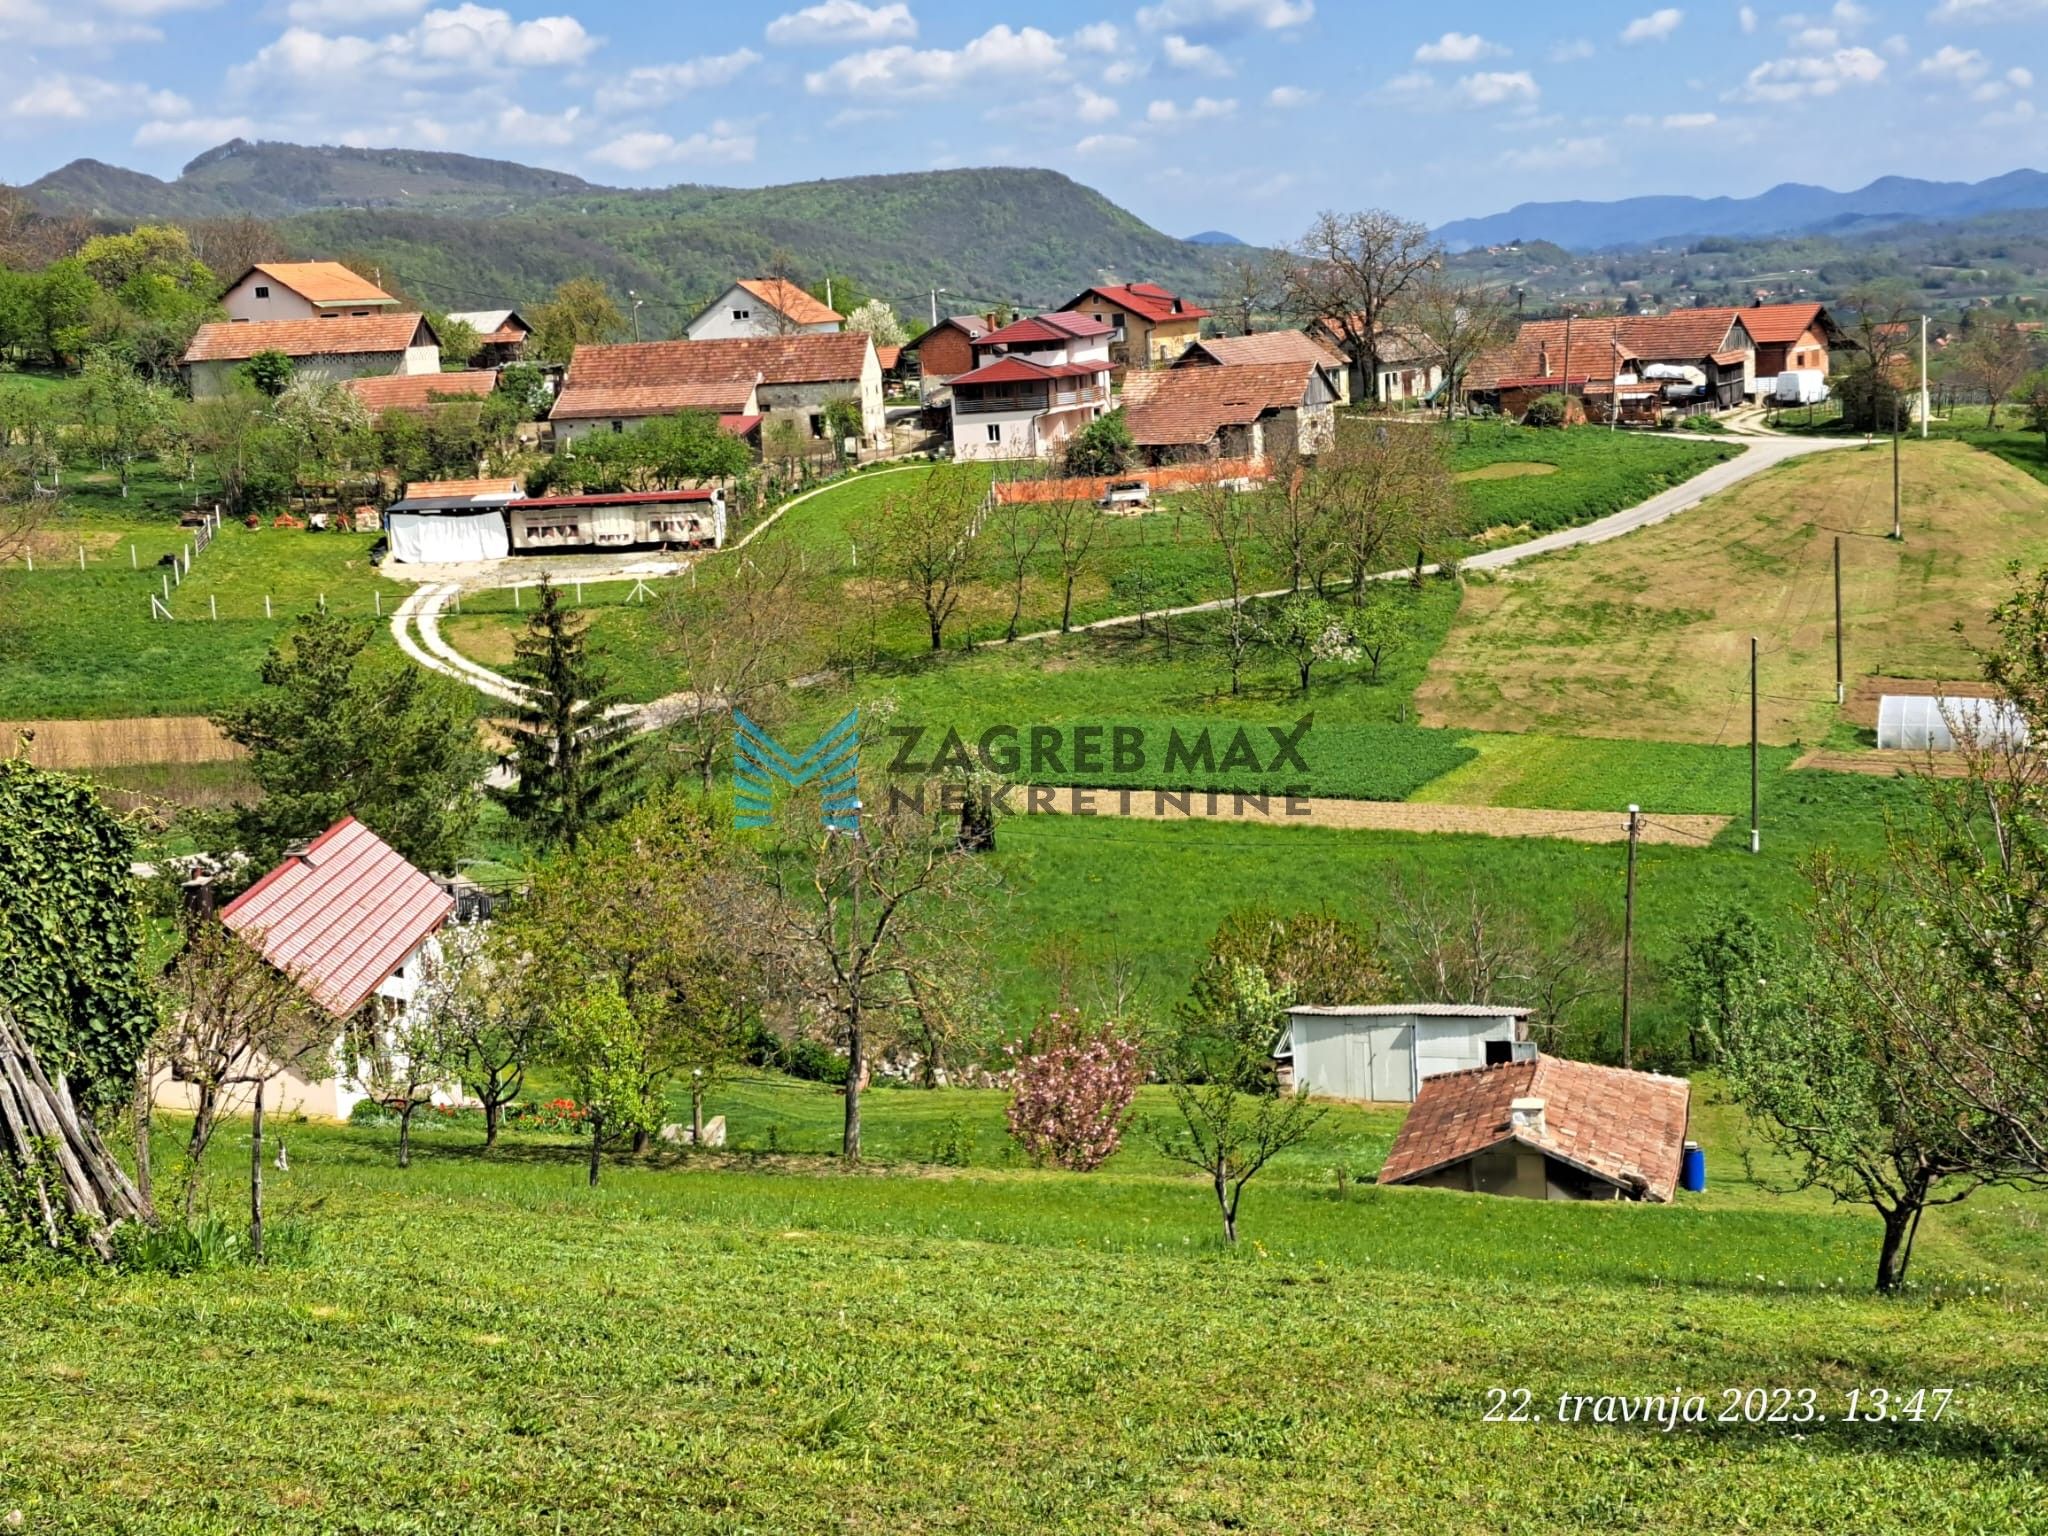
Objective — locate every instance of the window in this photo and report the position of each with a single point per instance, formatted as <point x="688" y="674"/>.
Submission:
<point x="995" y="432"/>
<point x="262" y="291"/>
<point x="618" y="426"/>
<point x="743" y="314"/>
<point x="1499" y="1052"/>
<point x="817" y="425"/>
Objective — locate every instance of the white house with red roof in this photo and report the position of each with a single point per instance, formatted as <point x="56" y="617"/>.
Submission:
<point x="1035" y="382"/>
<point x="762" y="306"/>
<point x="304" y="290"/>
<point x="354" y="923"/>
<point x="1154" y="324"/>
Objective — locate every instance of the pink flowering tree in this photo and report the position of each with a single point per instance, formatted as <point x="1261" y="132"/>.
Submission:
<point x="1073" y="1092"/>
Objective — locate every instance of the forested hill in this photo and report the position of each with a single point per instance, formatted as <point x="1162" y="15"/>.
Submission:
<point x="466" y="233"/>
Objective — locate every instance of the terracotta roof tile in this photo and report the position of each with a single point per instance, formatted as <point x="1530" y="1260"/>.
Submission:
<point x="648" y="378"/>
<point x="341" y="916"/>
<point x="1148" y="301"/>
<point x="1782" y="322"/>
<point x="417" y="391"/>
<point x="1260" y="347"/>
<point x="451" y="489"/>
<point x="1176" y="407"/>
<point x="236" y="341"/>
<point x="323" y="282"/>
<point x="790" y="301"/>
<point x="1626" y="1127"/>
<point x="1052" y="328"/>
<point x="1684" y="335"/>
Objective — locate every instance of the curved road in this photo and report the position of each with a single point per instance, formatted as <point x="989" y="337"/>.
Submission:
<point x="423" y="608"/>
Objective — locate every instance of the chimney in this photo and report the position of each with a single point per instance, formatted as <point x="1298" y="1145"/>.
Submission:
<point x="1526" y="1116"/>
<point x="1543" y="359"/>
<point x="198" y="901"/>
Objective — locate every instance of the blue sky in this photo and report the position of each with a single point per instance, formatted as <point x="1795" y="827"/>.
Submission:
<point x="1245" y="115"/>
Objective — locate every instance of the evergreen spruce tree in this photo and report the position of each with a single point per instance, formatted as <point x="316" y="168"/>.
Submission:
<point x="574" y="764"/>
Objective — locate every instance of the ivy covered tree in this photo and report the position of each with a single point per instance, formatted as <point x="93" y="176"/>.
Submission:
<point x="574" y="760"/>
<point x="268" y="373"/>
<point x="70" y="935"/>
<point x="1103" y="447"/>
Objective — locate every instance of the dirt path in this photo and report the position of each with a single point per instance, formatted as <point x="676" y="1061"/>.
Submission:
<point x="1355" y="815"/>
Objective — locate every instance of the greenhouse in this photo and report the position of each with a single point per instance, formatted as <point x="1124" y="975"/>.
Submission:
<point x="1926" y="722"/>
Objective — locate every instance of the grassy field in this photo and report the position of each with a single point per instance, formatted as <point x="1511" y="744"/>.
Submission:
<point x="769" y="1345"/>
<point x="1648" y="636"/>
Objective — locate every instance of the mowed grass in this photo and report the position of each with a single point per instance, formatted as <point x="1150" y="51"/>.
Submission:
<point x="771" y="1345"/>
<point x="1648" y="636"/>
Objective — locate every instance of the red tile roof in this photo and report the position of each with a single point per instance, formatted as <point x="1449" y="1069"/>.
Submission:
<point x="322" y="282"/>
<point x="1047" y="329"/>
<point x="973" y="327"/>
<point x="1260" y="347"/>
<point x="236" y="341"/>
<point x="651" y="378"/>
<point x="451" y="489"/>
<point x="1175" y="407"/>
<point x="1022" y="370"/>
<point x="1625" y="1127"/>
<point x="416" y="391"/>
<point x="1683" y="336"/>
<point x="790" y="301"/>
<point x="1148" y="301"/>
<point x="1782" y="322"/>
<point x="341" y="915"/>
<point x="888" y="357"/>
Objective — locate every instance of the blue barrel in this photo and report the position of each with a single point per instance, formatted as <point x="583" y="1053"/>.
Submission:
<point x="1692" y="1172"/>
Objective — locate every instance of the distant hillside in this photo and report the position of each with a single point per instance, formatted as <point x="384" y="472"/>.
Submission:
<point x="270" y="179"/>
<point x="465" y="233"/>
<point x="1787" y="209"/>
<point x="1213" y="237"/>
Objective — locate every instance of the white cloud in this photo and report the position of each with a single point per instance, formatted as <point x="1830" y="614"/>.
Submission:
<point x="1896" y="46"/>
<point x="1098" y="37"/>
<point x="1560" y="155"/>
<point x="1957" y="66"/>
<point x="1683" y="121"/>
<point x="2018" y="115"/>
<point x="1225" y="15"/>
<point x="193" y="131"/>
<point x="1816" y="39"/>
<point x="1847" y="13"/>
<point x="1122" y="72"/>
<point x="843" y="21"/>
<point x="1570" y="51"/>
<point x="2020" y="78"/>
<point x="1653" y="28"/>
<point x="1987" y="10"/>
<point x="152" y="7"/>
<point x="652" y="84"/>
<point x="1812" y="75"/>
<point x="1495" y="87"/>
<point x="33" y="23"/>
<point x="1289" y="96"/>
<point x="1192" y="58"/>
<point x="1201" y="109"/>
<point x="1745" y="17"/>
<point x="906" y="71"/>
<point x="1106" y="144"/>
<point x="463" y="40"/>
<point x="59" y="96"/>
<point x="1416" y="82"/>
<point x="1458" y="48"/>
<point x="722" y="144"/>
<point x="350" y="13"/>
<point x="516" y="125"/>
<point x="1093" y="106"/>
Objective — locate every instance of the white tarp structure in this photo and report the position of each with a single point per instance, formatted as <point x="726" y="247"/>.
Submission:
<point x="1384" y="1051"/>
<point x="437" y="538"/>
<point x="1925" y="722"/>
<point x="1801" y="386"/>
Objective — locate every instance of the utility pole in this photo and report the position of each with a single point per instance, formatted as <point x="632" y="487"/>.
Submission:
<point x="637" y="302"/>
<point x="1628" y="939"/>
<point x="1840" y="693"/>
<point x="935" y="303"/>
<point x="1923" y="378"/>
<point x="1898" y="527"/>
<point x="1756" y="841"/>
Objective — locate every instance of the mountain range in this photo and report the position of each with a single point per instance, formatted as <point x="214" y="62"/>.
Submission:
<point x="461" y="232"/>
<point x="1791" y="208"/>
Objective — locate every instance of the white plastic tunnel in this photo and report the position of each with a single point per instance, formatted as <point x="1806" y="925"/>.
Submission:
<point x="1923" y="722"/>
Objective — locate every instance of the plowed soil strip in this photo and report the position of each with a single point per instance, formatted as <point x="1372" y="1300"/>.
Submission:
<point x="1355" y="815"/>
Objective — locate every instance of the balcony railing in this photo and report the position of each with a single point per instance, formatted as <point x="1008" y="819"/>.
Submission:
<point x="1028" y="400"/>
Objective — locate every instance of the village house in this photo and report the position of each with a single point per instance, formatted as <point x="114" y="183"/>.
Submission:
<point x="1154" y="324"/>
<point x="419" y="393"/>
<point x="1232" y="411"/>
<point x="1547" y="1129"/>
<point x="1035" y="383"/>
<point x="1410" y="365"/>
<point x="354" y="923"/>
<point x="762" y="306"/>
<point x="304" y="290"/>
<point x="946" y="351"/>
<point x="501" y="336"/>
<point x="1386" y="1051"/>
<point x="1269" y="347"/>
<point x="336" y="347"/>
<point x="750" y="383"/>
<point x="1793" y="338"/>
<point x="1685" y="361"/>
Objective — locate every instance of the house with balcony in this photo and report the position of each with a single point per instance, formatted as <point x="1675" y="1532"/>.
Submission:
<point x="1035" y="382"/>
<point x="1154" y="325"/>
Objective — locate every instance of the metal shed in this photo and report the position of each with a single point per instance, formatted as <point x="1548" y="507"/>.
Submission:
<point x="1384" y="1051"/>
<point x="1926" y="722"/>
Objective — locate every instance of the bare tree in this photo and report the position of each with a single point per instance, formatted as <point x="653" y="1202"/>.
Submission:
<point x="928" y="539"/>
<point x="1351" y="271"/>
<point x="1389" y="488"/>
<point x="1995" y="358"/>
<point x="737" y="636"/>
<point x="231" y="246"/>
<point x="1228" y="519"/>
<point x="1460" y="320"/>
<point x="1294" y="517"/>
<point x="867" y="927"/>
<point x="53" y="1156"/>
<point x="1253" y="284"/>
<point x="1018" y="530"/>
<point x="237" y="1024"/>
<point x="1072" y="525"/>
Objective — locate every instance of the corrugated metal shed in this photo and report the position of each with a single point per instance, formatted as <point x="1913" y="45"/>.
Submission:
<point x="340" y="915"/>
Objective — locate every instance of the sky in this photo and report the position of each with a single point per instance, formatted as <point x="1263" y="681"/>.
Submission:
<point x="1242" y="115"/>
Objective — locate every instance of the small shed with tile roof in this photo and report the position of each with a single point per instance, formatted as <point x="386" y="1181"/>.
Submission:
<point x="1547" y="1129"/>
<point x="1233" y="410"/>
<point x="1386" y="1051"/>
<point x="333" y="348"/>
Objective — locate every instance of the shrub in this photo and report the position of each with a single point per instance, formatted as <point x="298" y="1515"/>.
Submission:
<point x="952" y="1144"/>
<point x="1549" y="410"/>
<point x="1074" y="1087"/>
<point x="1103" y="447"/>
